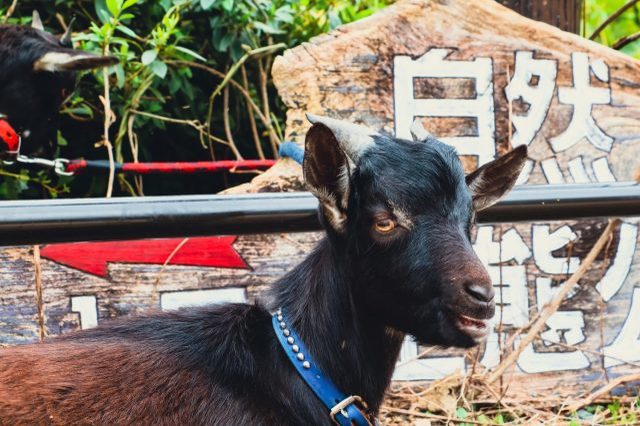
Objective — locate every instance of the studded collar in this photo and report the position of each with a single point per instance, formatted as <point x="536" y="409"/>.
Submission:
<point x="344" y="410"/>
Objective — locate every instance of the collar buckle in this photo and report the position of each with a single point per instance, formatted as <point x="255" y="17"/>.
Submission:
<point x="340" y="407"/>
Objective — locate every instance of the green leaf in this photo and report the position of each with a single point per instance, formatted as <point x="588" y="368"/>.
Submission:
<point x="114" y="6"/>
<point x="22" y="185"/>
<point x="127" y="31"/>
<point x="187" y="89"/>
<point x="120" y="75"/>
<point x="158" y="94"/>
<point x="334" y="20"/>
<point x="159" y="68"/>
<point x="461" y="413"/>
<point x="101" y="10"/>
<point x="190" y="53"/>
<point x="166" y="4"/>
<point x="225" y="42"/>
<point x="80" y="110"/>
<point x="284" y="14"/>
<point x="216" y="22"/>
<point x="584" y="414"/>
<point x="267" y="29"/>
<point x="206" y="4"/>
<point x="61" y="140"/>
<point x="154" y="107"/>
<point x="86" y="37"/>
<point x="227" y="5"/>
<point x="483" y="419"/>
<point x="128" y="3"/>
<point x="499" y="419"/>
<point x="149" y="56"/>
<point x="174" y="84"/>
<point x="236" y="51"/>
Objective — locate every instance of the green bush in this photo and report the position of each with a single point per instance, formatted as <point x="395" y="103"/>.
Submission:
<point x="597" y="11"/>
<point x="193" y="83"/>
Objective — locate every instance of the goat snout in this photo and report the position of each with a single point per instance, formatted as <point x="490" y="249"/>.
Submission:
<point x="472" y="290"/>
<point x="481" y="292"/>
<point x="477" y="290"/>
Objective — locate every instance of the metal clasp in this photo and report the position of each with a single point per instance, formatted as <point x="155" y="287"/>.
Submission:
<point x="59" y="165"/>
<point x="340" y="407"/>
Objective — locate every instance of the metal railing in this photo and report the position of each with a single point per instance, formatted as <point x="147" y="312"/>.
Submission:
<point x="60" y="220"/>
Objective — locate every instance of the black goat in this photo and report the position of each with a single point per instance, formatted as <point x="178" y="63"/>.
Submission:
<point x="37" y="73"/>
<point x="397" y="259"/>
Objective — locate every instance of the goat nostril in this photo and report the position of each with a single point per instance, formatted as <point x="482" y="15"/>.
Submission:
<point x="483" y="293"/>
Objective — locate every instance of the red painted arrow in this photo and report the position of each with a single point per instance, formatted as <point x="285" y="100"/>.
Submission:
<point x="93" y="257"/>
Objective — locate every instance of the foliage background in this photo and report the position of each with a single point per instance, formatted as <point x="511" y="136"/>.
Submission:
<point x="597" y="11"/>
<point x="176" y="54"/>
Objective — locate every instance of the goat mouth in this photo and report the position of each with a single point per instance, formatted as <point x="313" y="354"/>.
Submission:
<point x="477" y="329"/>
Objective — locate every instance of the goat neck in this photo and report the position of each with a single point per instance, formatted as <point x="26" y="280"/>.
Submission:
<point x="354" y="349"/>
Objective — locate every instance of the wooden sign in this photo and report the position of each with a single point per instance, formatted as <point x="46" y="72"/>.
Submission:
<point x="481" y="78"/>
<point x="484" y="79"/>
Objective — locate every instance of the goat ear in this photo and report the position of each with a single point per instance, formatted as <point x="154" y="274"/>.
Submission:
<point x="493" y="180"/>
<point x="65" y="39"/>
<point x="326" y="174"/>
<point x="36" y="22"/>
<point x="353" y="139"/>
<point x="71" y="60"/>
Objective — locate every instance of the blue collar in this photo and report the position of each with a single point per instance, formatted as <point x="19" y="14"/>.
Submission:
<point x="343" y="410"/>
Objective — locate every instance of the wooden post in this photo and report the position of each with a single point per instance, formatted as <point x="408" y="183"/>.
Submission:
<point x="564" y="14"/>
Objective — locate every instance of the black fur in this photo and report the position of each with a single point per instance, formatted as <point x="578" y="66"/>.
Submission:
<point x="31" y="100"/>
<point x="351" y="301"/>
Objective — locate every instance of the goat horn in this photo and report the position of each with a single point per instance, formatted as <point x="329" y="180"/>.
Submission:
<point x="65" y="40"/>
<point x="418" y="132"/>
<point x="352" y="138"/>
<point x="36" y="22"/>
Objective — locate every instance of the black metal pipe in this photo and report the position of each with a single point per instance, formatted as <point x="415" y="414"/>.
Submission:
<point x="47" y="221"/>
<point x="565" y="202"/>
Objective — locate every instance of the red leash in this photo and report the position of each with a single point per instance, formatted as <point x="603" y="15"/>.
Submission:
<point x="75" y="166"/>
<point x="10" y="151"/>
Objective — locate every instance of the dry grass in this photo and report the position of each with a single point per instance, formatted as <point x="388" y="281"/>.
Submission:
<point x="468" y="400"/>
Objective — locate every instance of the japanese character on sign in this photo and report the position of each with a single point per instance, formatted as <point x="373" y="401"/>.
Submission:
<point x="434" y="64"/>
<point x="537" y="96"/>
<point x="583" y="96"/>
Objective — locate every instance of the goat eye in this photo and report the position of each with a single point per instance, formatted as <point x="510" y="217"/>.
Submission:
<point x="385" y="226"/>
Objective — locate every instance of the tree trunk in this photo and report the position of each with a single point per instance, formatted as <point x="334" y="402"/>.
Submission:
<point x="564" y="14"/>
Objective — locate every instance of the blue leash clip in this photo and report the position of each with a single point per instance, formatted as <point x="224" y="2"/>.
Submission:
<point x="291" y="150"/>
